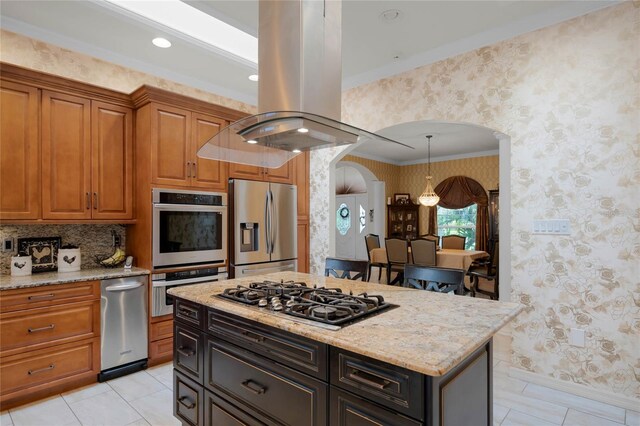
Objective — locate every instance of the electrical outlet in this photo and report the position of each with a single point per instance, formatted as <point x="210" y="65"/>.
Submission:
<point x="577" y="337"/>
<point x="115" y="240"/>
<point x="7" y="245"/>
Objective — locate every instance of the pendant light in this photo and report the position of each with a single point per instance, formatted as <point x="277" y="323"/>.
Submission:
<point x="429" y="198"/>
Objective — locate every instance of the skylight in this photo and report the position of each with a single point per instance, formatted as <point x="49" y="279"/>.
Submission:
<point x="188" y="20"/>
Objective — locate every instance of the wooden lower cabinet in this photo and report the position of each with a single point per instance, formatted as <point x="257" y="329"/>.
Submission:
<point x="303" y="246"/>
<point x="49" y="340"/>
<point x="160" y="351"/>
<point x="48" y="369"/>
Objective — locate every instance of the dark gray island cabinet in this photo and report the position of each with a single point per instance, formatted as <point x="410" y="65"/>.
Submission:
<point x="234" y="371"/>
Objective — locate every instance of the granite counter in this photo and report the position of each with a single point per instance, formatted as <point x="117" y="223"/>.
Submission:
<point x="427" y="332"/>
<point x="8" y="282"/>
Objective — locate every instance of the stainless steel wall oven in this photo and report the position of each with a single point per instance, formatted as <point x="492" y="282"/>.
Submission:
<point x="162" y="303"/>
<point x="189" y="228"/>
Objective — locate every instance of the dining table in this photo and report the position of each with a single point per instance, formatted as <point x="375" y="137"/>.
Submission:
<point x="445" y="258"/>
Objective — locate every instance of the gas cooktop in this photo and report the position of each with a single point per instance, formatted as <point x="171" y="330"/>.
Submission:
<point x="317" y="304"/>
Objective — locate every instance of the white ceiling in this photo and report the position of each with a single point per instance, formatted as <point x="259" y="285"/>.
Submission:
<point x="450" y="141"/>
<point x="427" y="31"/>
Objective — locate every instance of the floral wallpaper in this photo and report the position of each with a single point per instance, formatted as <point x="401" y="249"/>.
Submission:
<point x="40" y="56"/>
<point x="569" y="98"/>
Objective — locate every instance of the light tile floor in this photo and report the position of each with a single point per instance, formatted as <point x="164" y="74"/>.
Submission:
<point x="145" y="398"/>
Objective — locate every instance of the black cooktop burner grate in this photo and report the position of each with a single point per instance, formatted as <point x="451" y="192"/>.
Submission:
<point x="320" y="304"/>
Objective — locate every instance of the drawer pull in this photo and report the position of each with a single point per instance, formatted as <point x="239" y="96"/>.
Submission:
<point x="368" y="379"/>
<point x="189" y="404"/>
<point x="250" y="336"/>
<point x="185" y="351"/>
<point x="48" y="327"/>
<point x="42" y="370"/>
<point x="254" y="387"/>
<point x="191" y="313"/>
<point x="42" y="296"/>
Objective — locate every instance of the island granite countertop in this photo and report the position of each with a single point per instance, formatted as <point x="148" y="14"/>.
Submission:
<point x="428" y="332"/>
<point x="7" y="282"/>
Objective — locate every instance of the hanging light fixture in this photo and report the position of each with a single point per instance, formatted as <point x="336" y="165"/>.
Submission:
<point x="429" y="198"/>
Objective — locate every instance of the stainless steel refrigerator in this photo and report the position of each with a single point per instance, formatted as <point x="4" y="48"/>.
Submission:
<point x="264" y="232"/>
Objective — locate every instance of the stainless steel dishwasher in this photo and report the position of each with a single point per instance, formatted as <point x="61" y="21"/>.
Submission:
<point x="123" y="327"/>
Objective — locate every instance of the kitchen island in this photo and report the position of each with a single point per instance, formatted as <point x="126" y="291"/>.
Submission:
<point x="427" y="360"/>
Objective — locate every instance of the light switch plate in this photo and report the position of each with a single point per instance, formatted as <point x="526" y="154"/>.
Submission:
<point x="552" y="227"/>
<point x="577" y="337"/>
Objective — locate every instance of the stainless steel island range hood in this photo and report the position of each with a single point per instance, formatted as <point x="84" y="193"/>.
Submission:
<point x="299" y="91"/>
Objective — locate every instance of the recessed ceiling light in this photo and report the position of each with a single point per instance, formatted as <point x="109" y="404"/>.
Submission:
<point x="161" y="42"/>
<point x="303" y="130"/>
<point x="187" y="20"/>
<point x="296" y="151"/>
<point x="253" y="77"/>
<point x="252" y="141"/>
<point x="391" y="15"/>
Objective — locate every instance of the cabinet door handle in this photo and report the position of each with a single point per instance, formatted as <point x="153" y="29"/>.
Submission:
<point x="95" y="200"/>
<point x="35" y="330"/>
<point x="194" y="169"/>
<point x="188" y="168"/>
<point x="42" y="296"/>
<point x="88" y="196"/>
<point x="41" y="370"/>
<point x="254" y="387"/>
<point x="188" y="404"/>
<point x="374" y="381"/>
<point x="184" y="351"/>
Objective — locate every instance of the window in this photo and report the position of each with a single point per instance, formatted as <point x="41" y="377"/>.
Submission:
<point x="459" y="222"/>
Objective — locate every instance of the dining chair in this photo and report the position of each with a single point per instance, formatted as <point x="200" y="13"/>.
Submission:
<point x="372" y="241"/>
<point x="423" y="251"/>
<point x="485" y="281"/>
<point x="433" y="237"/>
<point x="441" y="280"/>
<point x="359" y="268"/>
<point x="397" y="257"/>
<point x="455" y="242"/>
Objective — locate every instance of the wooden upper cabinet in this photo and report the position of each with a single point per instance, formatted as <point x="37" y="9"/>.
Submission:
<point x="284" y="174"/>
<point x="66" y="156"/>
<point x="112" y="167"/>
<point x="243" y="171"/>
<point x="170" y="151"/>
<point x="19" y="152"/>
<point x="205" y="173"/>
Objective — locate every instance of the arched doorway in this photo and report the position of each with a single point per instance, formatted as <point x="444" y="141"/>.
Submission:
<point x="323" y="166"/>
<point x="359" y="201"/>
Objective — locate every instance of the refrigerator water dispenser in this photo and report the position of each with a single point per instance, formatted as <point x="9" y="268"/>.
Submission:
<point x="249" y="236"/>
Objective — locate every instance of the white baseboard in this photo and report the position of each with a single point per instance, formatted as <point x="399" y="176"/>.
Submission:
<point x="576" y="389"/>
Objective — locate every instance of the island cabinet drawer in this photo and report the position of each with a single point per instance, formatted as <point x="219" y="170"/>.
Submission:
<point x="27" y="298"/>
<point x="48" y="367"/>
<point x="189" y="400"/>
<point x="189" y="312"/>
<point x="350" y="410"/>
<point x="399" y="389"/>
<point x="188" y="354"/>
<point x="227" y="411"/>
<point x="294" y="351"/>
<point x="287" y="396"/>
<point x="43" y="326"/>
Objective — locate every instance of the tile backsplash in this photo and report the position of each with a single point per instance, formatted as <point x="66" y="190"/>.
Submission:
<point x="92" y="239"/>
